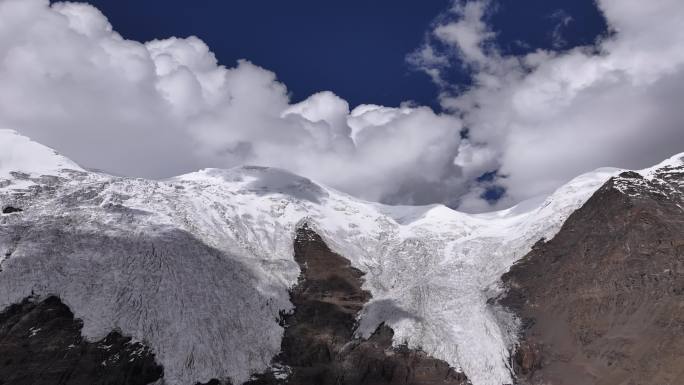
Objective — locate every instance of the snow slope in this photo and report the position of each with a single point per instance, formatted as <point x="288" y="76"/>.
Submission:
<point x="19" y="153"/>
<point x="198" y="266"/>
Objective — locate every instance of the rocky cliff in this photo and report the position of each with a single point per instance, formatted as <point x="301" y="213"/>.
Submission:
<point x="41" y="344"/>
<point x="602" y="303"/>
<point x="320" y="346"/>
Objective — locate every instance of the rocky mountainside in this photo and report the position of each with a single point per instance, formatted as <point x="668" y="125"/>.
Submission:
<point x="603" y="301"/>
<point x="41" y="344"/>
<point x="258" y="275"/>
<point x="319" y="346"/>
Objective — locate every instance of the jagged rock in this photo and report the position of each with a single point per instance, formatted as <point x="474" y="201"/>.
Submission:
<point x="319" y="346"/>
<point x="41" y="344"/>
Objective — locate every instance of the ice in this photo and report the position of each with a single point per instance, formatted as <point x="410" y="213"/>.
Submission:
<point x="199" y="266"/>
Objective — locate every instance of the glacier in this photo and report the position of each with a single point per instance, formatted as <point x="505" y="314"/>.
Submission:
<point x="199" y="266"/>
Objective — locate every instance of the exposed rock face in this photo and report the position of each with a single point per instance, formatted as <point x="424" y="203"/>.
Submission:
<point x="603" y="302"/>
<point x="41" y="344"/>
<point x="319" y="346"/>
<point x="10" y="210"/>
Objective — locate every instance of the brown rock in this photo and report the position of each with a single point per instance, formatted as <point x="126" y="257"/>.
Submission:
<point x="319" y="346"/>
<point x="528" y="358"/>
<point x="602" y="303"/>
<point x="41" y="344"/>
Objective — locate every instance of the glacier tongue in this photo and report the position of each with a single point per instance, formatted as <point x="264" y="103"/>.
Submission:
<point x="199" y="266"/>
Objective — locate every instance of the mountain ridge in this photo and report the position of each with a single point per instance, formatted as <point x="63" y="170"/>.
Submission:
<point x="601" y="303"/>
<point x="440" y="265"/>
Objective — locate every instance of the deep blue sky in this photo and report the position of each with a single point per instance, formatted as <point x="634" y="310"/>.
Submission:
<point x="355" y="48"/>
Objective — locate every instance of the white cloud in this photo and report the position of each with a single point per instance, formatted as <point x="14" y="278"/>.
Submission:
<point x="167" y="107"/>
<point x="545" y="117"/>
<point x="469" y="32"/>
<point x="461" y="35"/>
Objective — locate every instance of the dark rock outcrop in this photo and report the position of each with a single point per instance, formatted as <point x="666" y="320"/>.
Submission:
<point x="11" y="209"/>
<point x="319" y="346"/>
<point x="41" y="344"/>
<point x="602" y="303"/>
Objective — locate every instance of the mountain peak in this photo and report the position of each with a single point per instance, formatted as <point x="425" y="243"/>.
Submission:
<point x="20" y="154"/>
<point x="212" y="252"/>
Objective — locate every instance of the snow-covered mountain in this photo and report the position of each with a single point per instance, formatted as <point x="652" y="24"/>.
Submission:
<point x="199" y="266"/>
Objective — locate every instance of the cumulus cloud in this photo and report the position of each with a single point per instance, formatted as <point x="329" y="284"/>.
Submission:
<point x="542" y="118"/>
<point x="530" y="122"/>
<point x="469" y="32"/>
<point x="166" y="107"/>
